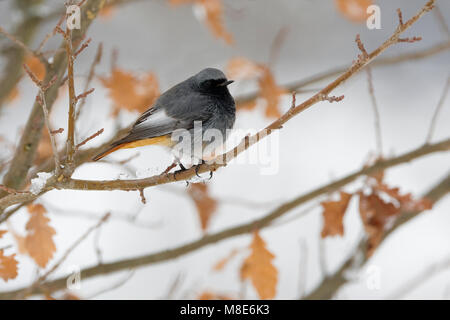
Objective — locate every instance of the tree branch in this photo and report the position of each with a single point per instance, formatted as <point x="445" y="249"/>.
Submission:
<point x="26" y="150"/>
<point x="330" y="285"/>
<point x="434" y="195"/>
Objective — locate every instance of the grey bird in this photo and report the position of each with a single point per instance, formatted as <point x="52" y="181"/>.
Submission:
<point x="203" y="97"/>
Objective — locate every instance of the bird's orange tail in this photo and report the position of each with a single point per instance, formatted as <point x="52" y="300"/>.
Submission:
<point x="107" y="151"/>
<point x="161" y="140"/>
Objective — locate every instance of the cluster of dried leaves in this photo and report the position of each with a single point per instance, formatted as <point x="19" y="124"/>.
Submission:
<point x="38" y="242"/>
<point x="130" y="92"/>
<point x="379" y="205"/>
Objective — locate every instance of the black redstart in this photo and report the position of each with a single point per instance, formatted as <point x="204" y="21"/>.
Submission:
<point x="203" y="97"/>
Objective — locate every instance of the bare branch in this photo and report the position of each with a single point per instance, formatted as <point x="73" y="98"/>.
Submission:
<point x="336" y="280"/>
<point x="376" y="112"/>
<point x="99" y="132"/>
<point x="437" y="111"/>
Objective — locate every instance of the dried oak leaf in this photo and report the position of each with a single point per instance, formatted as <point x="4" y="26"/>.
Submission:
<point x="35" y="66"/>
<point x="214" y="19"/>
<point x="258" y="267"/>
<point x="243" y="68"/>
<point x="39" y="240"/>
<point x="406" y="201"/>
<point x="206" y="205"/>
<point x="8" y="266"/>
<point x="354" y="10"/>
<point x="271" y="93"/>
<point x="212" y="12"/>
<point x="130" y="92"/>
<point x="375" y="214"/>
<point x="333" y="215"/>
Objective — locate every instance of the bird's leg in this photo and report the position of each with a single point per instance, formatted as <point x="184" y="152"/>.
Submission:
<point x="198" y="166"/>
<point x="182" y="168"/>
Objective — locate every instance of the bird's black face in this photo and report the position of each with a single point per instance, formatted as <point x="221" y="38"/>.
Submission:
<point x="215" y="85"/>
<point x="212" y="81"/>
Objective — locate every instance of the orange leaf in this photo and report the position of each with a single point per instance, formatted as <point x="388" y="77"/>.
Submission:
<point x="39" y="240"/>
<point x="214" y="19"/>
<point x="2" y="232"/>
<point x="406" y="201"/>
<point x="8" y="266"/>
<point x="107" y="12"/>
<point x="375" y="213"/>
<point x="259" y="269"/>
<point x="354" y="10"/>
<point x="131" y="93"/>
<point x="242" y="68"/>
<point x="36" y="67"/>
<point x="271" y="93"/>
<point x="204" y="203"/>
<point x="333" y="215"/>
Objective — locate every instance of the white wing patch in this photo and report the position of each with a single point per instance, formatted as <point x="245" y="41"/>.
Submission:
<point x="156" y="119"/>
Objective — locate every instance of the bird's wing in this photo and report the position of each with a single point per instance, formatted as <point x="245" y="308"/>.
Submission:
<point x="177" y="108"/>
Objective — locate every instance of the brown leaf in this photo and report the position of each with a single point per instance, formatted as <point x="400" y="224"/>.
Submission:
<point x="107" y="12"/>
<point x="2" y="232"/>
<point x="271" y="93"/>
<point x="333" y="215"/>
<point x="375" y="213"/>
<point x="8" y="266"/>
<point x="213" y="10"/>
<point x="205" y="204"/>
<point x="259" y="269"/>
<point x="131" y="93"/>
<point x="406" y="201"/>
<point x="214" y="19"/>
<point x="36" y="66"/>
<point x="354" y="10"/>
<point x="39" y="240"/>
<point x="220" y="265"/>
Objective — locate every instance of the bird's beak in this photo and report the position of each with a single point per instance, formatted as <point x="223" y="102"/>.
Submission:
<point x="225" y="83"/>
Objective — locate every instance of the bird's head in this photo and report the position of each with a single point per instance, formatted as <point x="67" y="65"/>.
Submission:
<point x="211" y="80"/>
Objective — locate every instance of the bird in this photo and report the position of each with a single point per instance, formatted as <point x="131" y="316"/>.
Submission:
<point x="202" y="97"/>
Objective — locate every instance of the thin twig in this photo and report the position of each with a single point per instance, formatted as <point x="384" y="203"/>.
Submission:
<point x="50" y="132"/>
<point x="82" y="143"/>
<point x="376" y="112"/>
<point x="437" y="111"/>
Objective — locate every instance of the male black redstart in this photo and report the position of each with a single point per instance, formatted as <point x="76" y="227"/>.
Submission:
<point x="203" y="97"/>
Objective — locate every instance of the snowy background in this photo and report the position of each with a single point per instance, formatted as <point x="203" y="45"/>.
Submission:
<point x="326" y="142"/>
